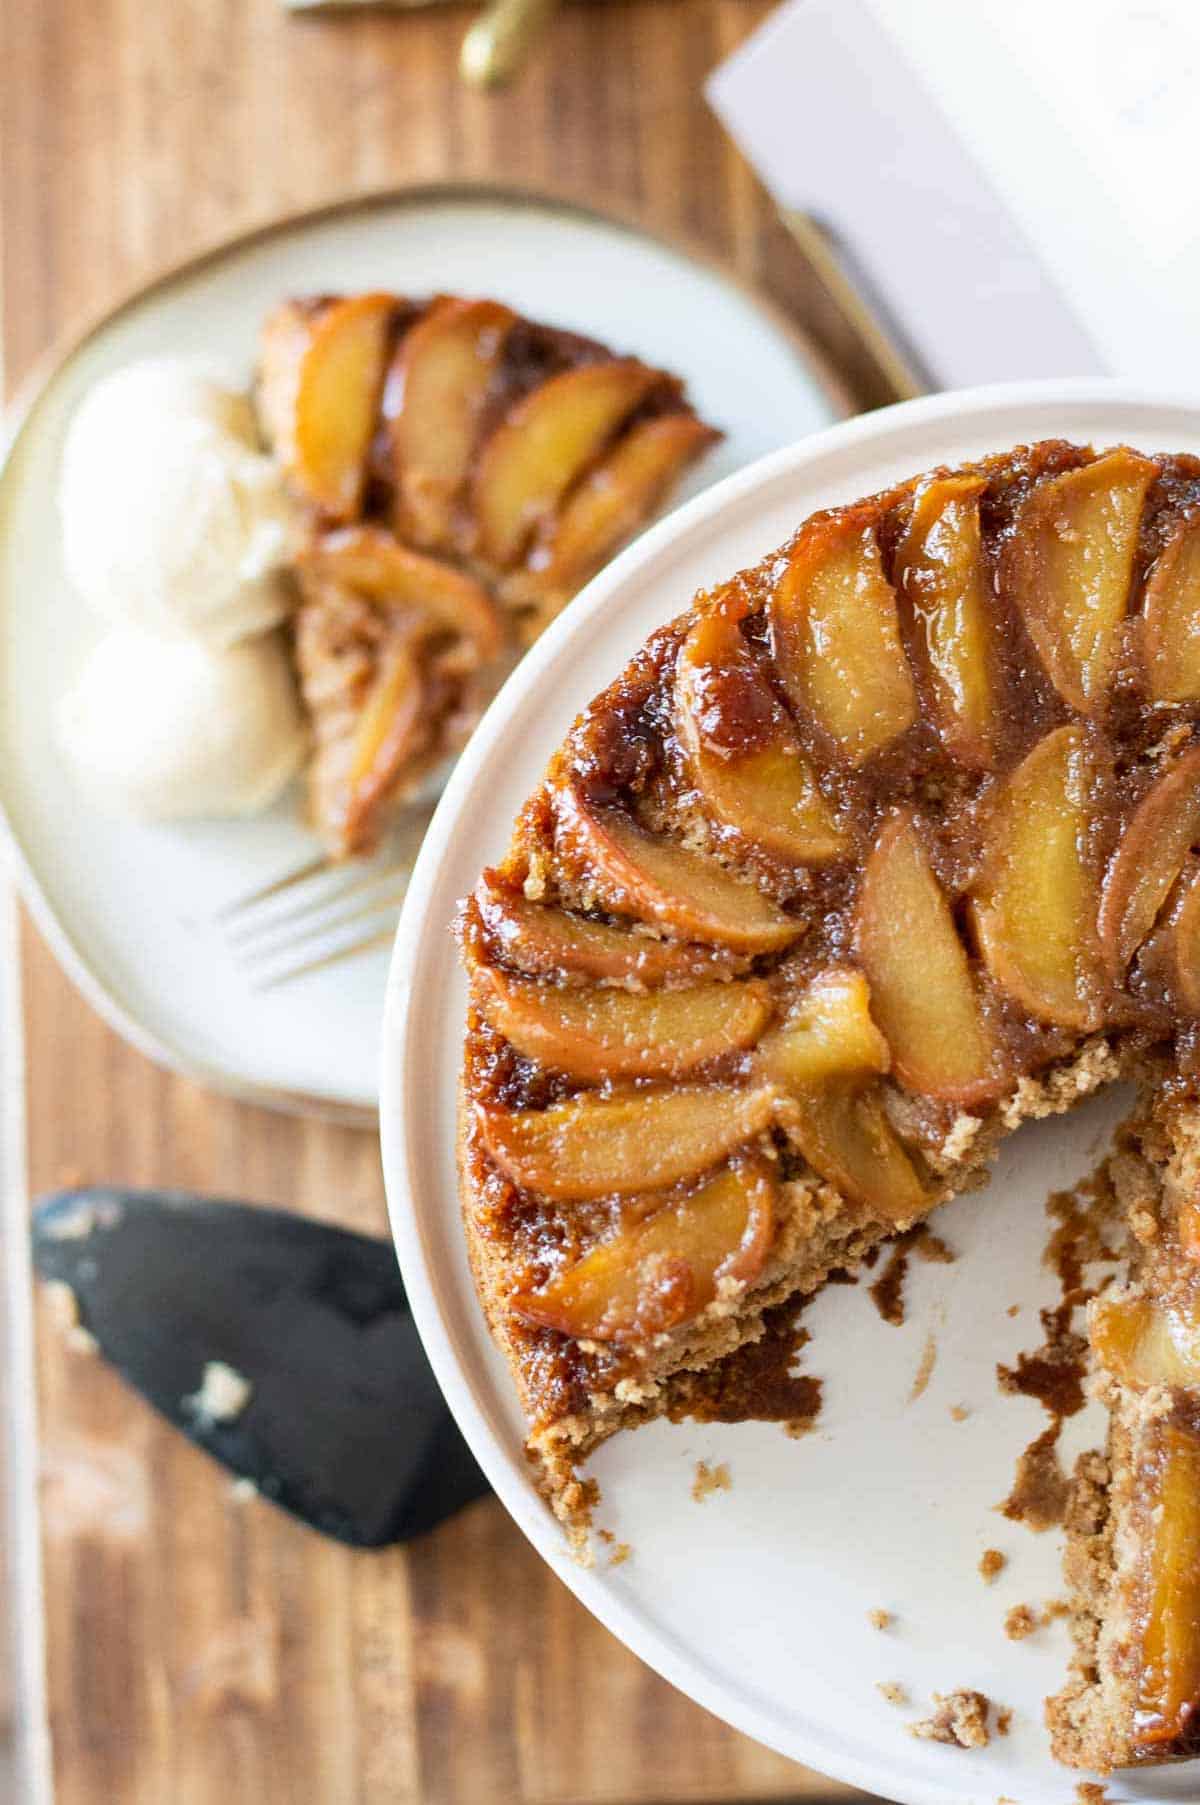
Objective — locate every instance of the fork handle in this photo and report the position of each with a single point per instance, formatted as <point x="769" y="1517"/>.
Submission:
<point x="500" y="40"/>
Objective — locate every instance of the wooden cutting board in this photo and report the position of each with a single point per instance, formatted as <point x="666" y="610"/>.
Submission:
<point x="184" y="1647"/>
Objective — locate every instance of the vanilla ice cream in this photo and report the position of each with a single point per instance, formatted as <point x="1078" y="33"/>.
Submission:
<point x="173" y="519"/>
<point x="173" y="729"/>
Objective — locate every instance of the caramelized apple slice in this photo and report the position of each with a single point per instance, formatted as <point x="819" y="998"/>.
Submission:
<point x="827" y="1033"/>
<point x="743" y="755"/>
<point x="545" y="442"/>
<point x="1185" y="938"/>
<point x="922" y="993"/>
<point x="432" y="403"/>
<point x="837" y="639"/>
<point x="1189" y="1229"/>
<point x="1035" y="905"/>
<point x="940" y="568"/>
<point x="1171" y="618"/>
<point x="1147" y="1342"/>
<point x="1070" y="562"/>
<point x="659" y="880"/>
<point x="610" y="504"/>
<point x="845" y="1136"/>
<point x="545" y="943"/>
<point x="1169" y="1681"/>
<point x="370" y="561"/>
<point x="389" y="731"/>
<point x="1161" y="832"/>
<point x="664" y="1270"/>
<point x="322" y="373"/>
<point x="594" y="1146"/>
<point x="598" y="1034"/>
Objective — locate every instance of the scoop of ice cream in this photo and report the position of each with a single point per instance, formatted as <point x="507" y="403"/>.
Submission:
<point x="171" y="729"/>
<point x="172" y="519"/>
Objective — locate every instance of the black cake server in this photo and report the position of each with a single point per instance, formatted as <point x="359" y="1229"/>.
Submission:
<point x="320" y="1392"/>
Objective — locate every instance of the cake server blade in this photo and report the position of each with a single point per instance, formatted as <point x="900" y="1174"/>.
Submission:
<point x="283" y="1347"/>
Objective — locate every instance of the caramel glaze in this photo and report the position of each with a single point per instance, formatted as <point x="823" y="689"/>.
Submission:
<point x="623" y="752"/>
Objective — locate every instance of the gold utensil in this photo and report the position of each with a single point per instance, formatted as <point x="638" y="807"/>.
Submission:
<point x="501" y="39"/>
<point x="865" y="317"/>
<point x="495" y="47"/>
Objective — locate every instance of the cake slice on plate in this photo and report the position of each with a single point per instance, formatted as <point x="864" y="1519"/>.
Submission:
<point x="463" y="471"/>
<point x="881" y="849"/>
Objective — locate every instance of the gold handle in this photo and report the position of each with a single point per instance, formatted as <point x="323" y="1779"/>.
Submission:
<point x="500" y="40"/>
<point x="892" y="363"/>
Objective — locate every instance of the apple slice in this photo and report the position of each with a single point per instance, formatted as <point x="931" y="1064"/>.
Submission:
<point x="545" y="942"/>
<point x="837" y="638"/>
<point x="844" y="1134"/>
<point x="637" y="874"/>
<point x="1189" y="1228"/>
<point x="546" y="441"/>
<point x="389" y="731"/>
<point x="599" y="1034"/>
<point x="321" y="376"/>
<point x="1147" y="1343"/>
<point x="433" y="401"/>
<point x="922" y="992"/>
<point x="1171" y="618"/>
<point x="370" y="561"/>
<point x="609" y="505"/>
<point x="666" y="1269"/>
<point x="1149" y="857"/>
<point x="1035" y="906"/>
<point x="1070" y="565"/>
<point x="1169" y="1679"/>
<point x="940" y="568"/>
<point x="742" y="752"/>
<point x="1185" y="939"/>
<point x="827" y="1033"/>
<point x="593" y="1146"/>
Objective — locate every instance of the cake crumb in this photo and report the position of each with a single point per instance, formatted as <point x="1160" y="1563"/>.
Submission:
<point x="893" y="1692"/>
<point x="959" y="1413"/>
<point x="880" y="1620"/>
<point x="606" y="1536"/>
<point x="991" y="1565"/>
<point x="958" y="1719"/>
<point x="924" y="1371"/>
<point x="709" y="1480"/>
<point x="1004" y="1719"/>
<point x="1055" y="1608"/>
<point x="1087" y="1792"/>
<point x="620" y="1554"/>
<point x="1021" y="1622"/>
<point x="1013" y="1310"/>
<point x="64" y="1308"/>
<point x="1041" y="1492"/>
<point x="223" y="1395"/>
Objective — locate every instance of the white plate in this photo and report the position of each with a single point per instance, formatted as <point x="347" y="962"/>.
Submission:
<point x="129" y="909"/>
<point x="756" y="1602"/>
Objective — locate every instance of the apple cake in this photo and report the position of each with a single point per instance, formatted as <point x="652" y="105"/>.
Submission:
<point x="882" y="848"/>
<point x="462" y="471"/>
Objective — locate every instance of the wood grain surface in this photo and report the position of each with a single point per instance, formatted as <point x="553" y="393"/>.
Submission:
<point x="200" y="1650"/>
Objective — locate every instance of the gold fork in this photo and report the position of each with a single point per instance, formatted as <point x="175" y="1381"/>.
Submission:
<point x="325" y="910"/>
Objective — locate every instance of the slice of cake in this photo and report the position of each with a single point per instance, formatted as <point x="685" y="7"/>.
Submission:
<point x="463" y="471"/>
<point x="882" y="848"/>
